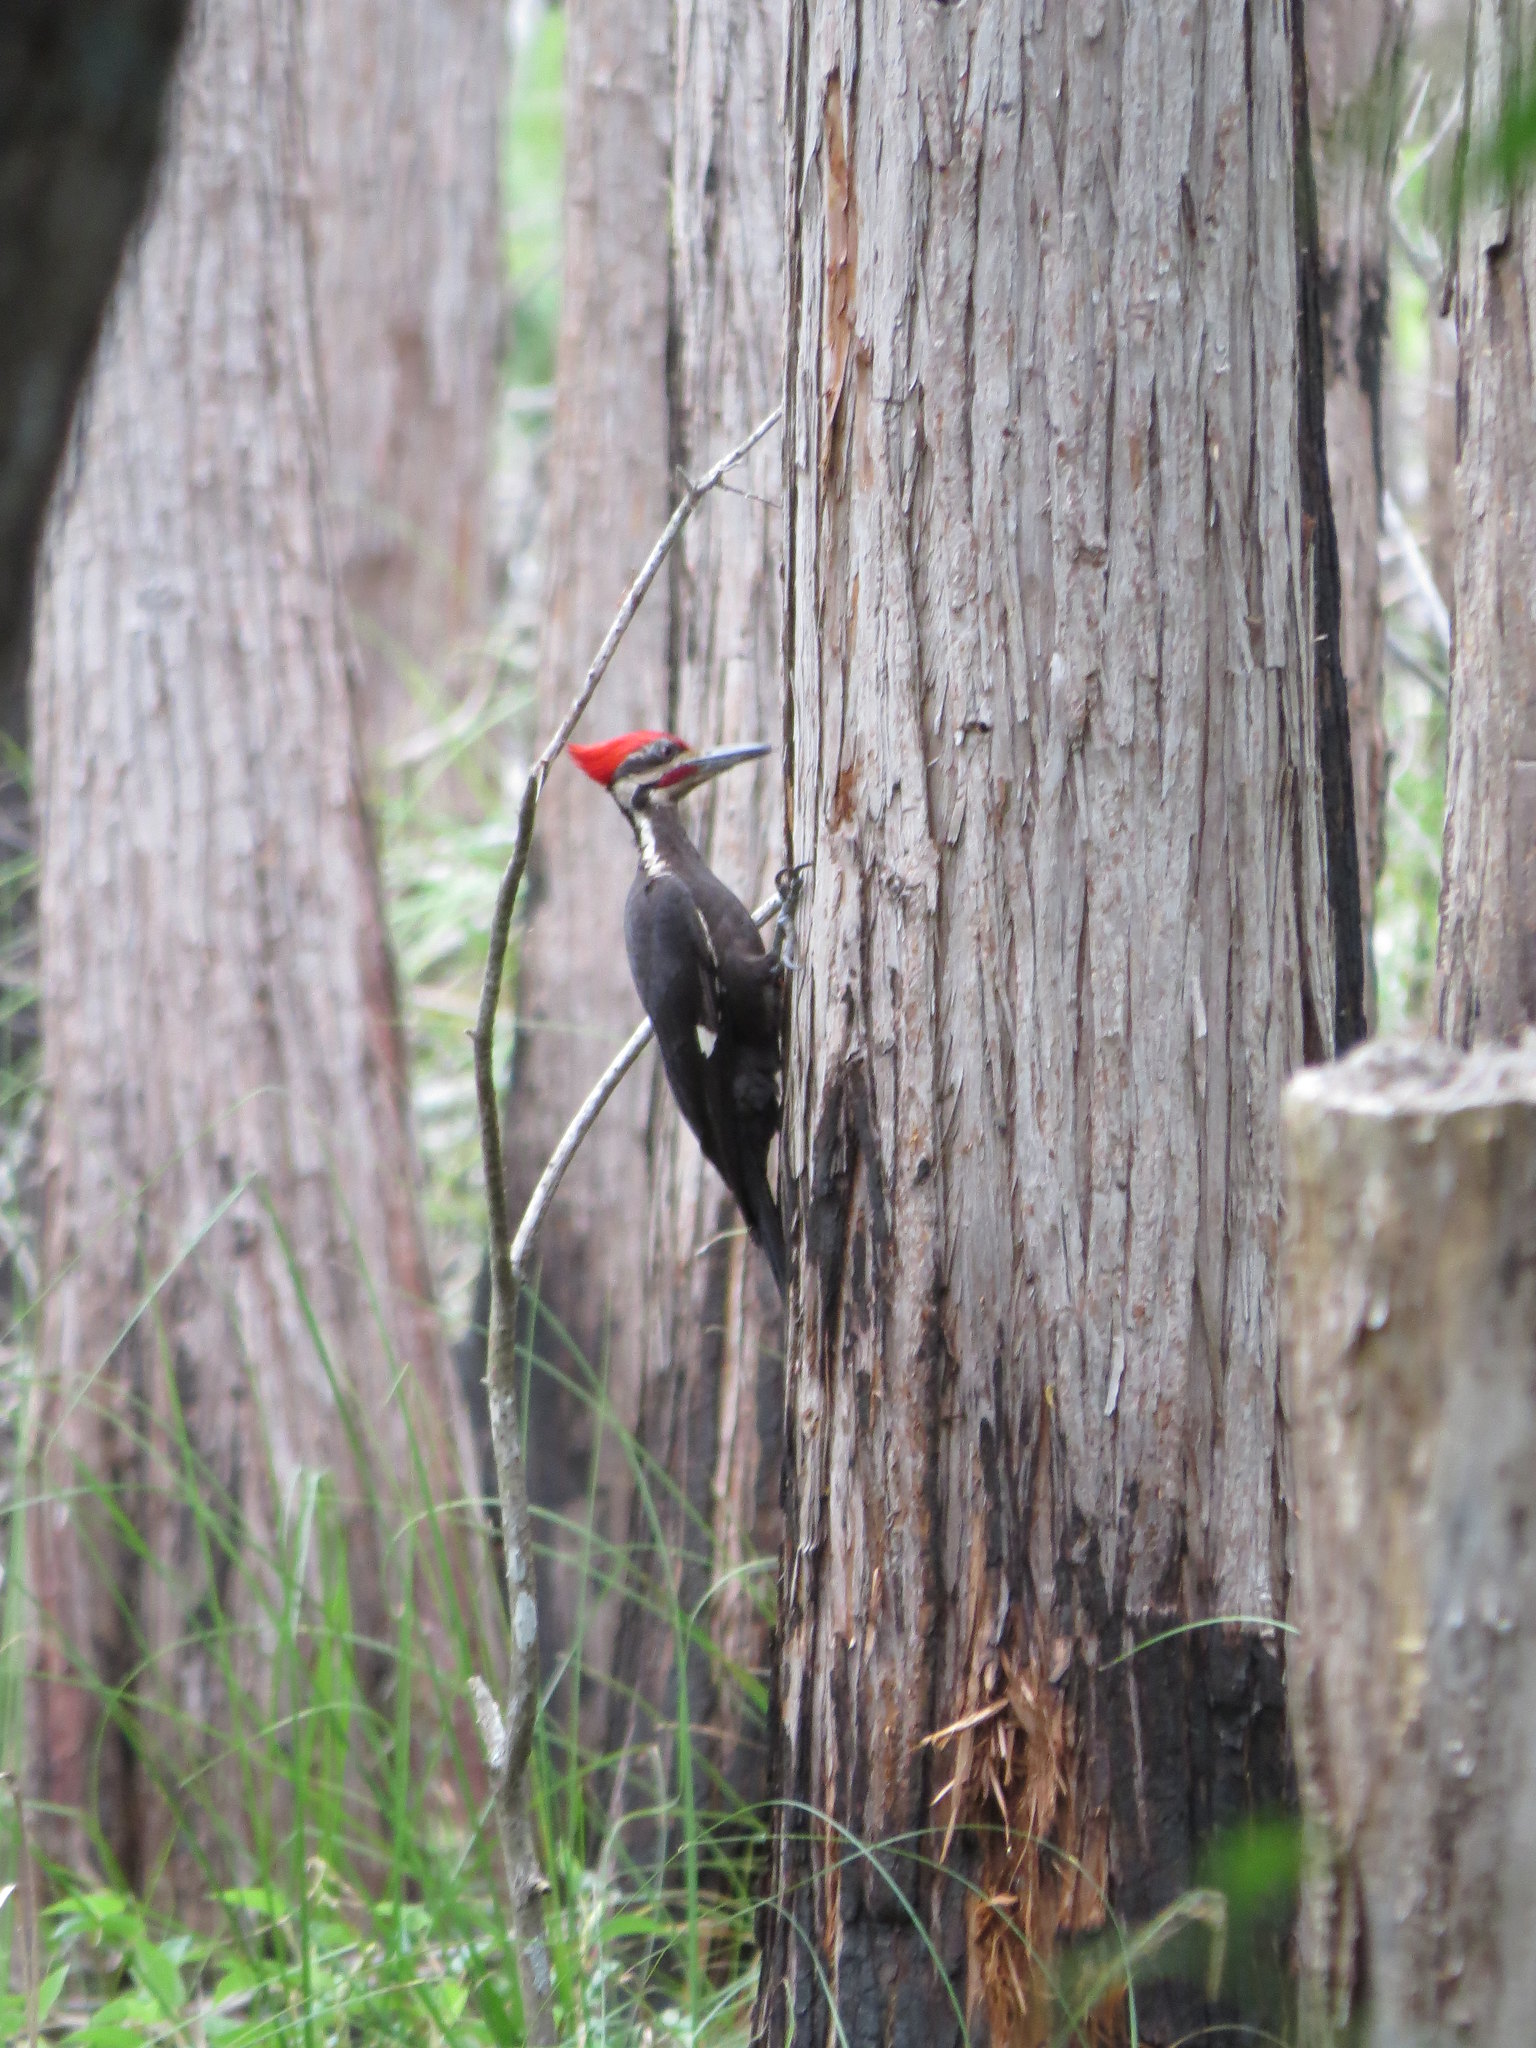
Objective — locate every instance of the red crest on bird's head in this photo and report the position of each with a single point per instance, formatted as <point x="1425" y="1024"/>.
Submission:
<point x="603" y="758"/>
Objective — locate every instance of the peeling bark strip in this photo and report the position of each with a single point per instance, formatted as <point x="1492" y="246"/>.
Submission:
<point x="1486" y="971"/>
<point x="1410" y="1313"/>
<point x="228" y="1143"/>
<point x="1061" y="758"/>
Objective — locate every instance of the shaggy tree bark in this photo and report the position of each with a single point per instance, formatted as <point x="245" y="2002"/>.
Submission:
<point x="610" y="493"/>
<point x="404" y="104"/>
<point x="1355" y="54"/>
<point x="1410" y="1310"/>
<point x="228" y="1151"/>
<point x="1078" y="796"/>
<point x="1486" y="970"/>
<point x="711" y="1391"/>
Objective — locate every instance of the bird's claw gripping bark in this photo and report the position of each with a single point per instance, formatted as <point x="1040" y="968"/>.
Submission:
<point x="788" y="884"/>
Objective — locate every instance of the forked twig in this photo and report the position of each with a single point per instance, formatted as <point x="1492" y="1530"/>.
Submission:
<point x="508" y="1735"/>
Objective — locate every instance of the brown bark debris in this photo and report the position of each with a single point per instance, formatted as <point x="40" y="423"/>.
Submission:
<point x="1045" y="1854"/>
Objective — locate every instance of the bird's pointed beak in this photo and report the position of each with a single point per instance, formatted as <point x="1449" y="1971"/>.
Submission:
<point x="704" y="767"/>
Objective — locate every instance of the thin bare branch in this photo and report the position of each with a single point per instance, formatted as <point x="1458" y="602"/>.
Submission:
<point x="508" y="1757"/>
<point x="1399" y="534"/>
<point x="641" y="585"/>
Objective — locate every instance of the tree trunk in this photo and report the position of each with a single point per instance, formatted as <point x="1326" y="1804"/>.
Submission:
<point x="711" y="1392"/>
<point x="404" y="107"/>
<point x="1355" y="55"/>
<point x="1410" y="1308"/>
<point x="82" y="86"/>
<point x="1078" y="796"/>
<point x="610" y="493"/>
<point x="1486" y="970"/>
<point x="229" y="1206"/>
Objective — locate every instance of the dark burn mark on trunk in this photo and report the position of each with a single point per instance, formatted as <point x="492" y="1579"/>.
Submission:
<point x="1191" y="1740"/>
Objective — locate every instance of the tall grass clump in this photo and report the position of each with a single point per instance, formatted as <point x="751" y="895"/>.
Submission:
<point x="338" y="1813"/>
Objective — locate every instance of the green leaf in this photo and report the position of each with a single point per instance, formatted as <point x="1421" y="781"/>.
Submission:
<point x="49" y="1989"/>
<point x="128" y="2005"/>
<point x="236" y="1981"/>
<point x="449" y="1998"/>
<point x="120" y="2023"/>
<point x="113" y="1916"/>
<point x="263" y="1899"/>
<point x="158" y="1973"/>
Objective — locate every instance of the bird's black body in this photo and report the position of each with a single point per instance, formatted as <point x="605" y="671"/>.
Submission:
<point x="709" y="986"/>
<point x="712" y="992"/>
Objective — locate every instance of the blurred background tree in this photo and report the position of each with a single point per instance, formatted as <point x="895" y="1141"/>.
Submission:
<point x="235" y="1287"/>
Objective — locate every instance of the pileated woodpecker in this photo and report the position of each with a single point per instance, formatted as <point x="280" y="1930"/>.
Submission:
<point x="709" y="986"/>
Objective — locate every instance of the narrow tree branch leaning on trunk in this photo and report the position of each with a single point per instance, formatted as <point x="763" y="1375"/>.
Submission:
<point x="508" y="1736"/>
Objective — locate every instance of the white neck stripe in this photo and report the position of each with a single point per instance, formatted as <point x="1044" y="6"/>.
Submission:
<point x="650" y="858"/>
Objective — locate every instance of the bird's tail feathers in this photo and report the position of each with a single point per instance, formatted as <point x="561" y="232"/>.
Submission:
<point x="763" y="1221"/>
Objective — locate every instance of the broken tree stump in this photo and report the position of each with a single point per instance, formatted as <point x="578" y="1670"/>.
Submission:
<point x="1410" y="1376"/>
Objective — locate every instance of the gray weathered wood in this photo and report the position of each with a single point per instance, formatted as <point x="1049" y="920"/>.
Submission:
<point x="1055" y="754"/>
<point x="1410" y="1344"/>
<point x="1486" y="970"/>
